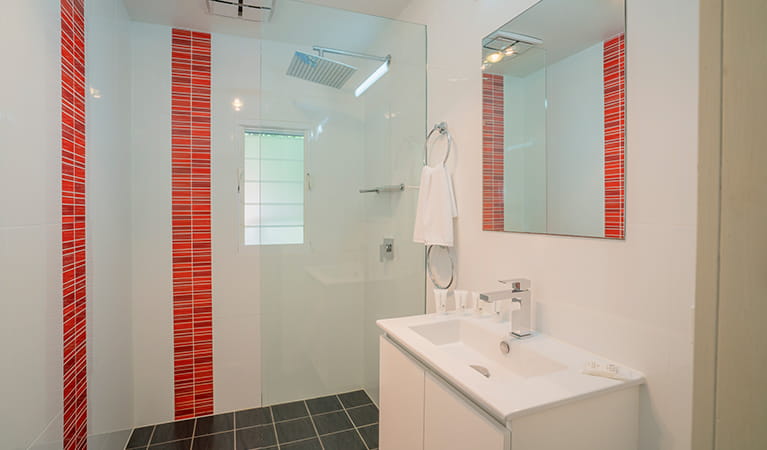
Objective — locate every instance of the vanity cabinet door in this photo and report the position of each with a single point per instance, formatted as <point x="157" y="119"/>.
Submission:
<point x="401" y="403"/>
<point x="451" y="423"/>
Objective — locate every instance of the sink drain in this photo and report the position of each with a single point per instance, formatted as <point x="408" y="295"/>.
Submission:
<point x="482" y="370"/>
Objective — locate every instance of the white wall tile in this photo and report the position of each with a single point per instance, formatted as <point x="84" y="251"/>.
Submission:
<point x="151" y="291"/>
<point x="30" y="231"/>
<point x="108" y="125"/>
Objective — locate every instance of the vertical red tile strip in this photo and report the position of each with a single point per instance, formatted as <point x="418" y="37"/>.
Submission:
<point x="492" y="152"/>
<point x="73" y="222"/>
<point x="192" y="291"/>
<point x="615" y="135"/>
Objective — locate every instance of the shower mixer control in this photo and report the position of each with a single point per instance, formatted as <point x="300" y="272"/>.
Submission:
<point x="386" y="250"/>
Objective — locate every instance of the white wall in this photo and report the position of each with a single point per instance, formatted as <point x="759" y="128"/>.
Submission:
<point x="30" y="226"/>
<point x="575" y="144"/>
<point x="108" y="125"/>
<point x="628" y="300"/>
<point x="152" y="289"/>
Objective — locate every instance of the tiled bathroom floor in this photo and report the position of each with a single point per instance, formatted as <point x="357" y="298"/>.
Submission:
<point x="346" y="421"/>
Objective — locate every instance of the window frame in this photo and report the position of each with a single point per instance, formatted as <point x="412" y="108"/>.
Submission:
<point x="288" y="128"/>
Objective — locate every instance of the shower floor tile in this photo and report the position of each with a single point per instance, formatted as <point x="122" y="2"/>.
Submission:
<point x="347" y="421"/>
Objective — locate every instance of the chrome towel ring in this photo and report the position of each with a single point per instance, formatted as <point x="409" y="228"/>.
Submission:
<point x="431" y="273"/>
<point x="442" y="129"/>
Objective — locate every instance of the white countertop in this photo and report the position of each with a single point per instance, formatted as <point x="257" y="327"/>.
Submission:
<point x="507" y="393"/>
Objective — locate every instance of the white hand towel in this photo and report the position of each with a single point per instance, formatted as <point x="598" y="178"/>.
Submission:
<point x="436" y="208"/>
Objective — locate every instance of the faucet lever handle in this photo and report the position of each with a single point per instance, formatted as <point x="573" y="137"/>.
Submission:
<point x="517" y="284"/>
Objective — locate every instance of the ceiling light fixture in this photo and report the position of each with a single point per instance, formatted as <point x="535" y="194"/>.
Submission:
<point x="494" y="57"/>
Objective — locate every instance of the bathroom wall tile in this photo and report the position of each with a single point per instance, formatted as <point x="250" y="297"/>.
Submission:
<point x="108" y="184"/>
<point x="73" y="222"/>
<point x="493" y="147"/>
<point x="192" y="285"/>
<point x="151" y="223"/>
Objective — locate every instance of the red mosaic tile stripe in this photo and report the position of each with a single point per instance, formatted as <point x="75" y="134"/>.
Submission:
<point x="192" y="289"/>
<point x="615" y="135"/>
<point x="492" y="152"/>
<point x="73" y="223"/>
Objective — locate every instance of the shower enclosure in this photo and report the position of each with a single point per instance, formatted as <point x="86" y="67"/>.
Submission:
<point x="322" y="274"/>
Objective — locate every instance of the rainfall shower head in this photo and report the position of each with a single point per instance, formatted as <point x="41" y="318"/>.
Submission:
<point x="318" y="69"/>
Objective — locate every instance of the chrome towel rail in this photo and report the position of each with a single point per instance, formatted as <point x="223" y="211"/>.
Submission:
<point x="387" y="188"/>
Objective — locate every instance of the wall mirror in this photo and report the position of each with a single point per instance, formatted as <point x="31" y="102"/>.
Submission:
<point x="553" y="95"/>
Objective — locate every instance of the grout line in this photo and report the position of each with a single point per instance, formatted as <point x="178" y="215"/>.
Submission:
<point x="316" y="432"/>
<point x="356" y="430"/>
<point x="151" y="435"/>
<point x="194" y="430"/>
<point x="274" y="427"/>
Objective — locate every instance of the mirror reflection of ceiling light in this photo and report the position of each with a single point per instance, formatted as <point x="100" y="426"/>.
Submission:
<point x="494" y="57"/>
<point x="237" y="104"/>
<point x="509" y="51"/>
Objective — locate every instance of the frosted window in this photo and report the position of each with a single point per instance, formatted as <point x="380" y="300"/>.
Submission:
<point x="273" y="190"/>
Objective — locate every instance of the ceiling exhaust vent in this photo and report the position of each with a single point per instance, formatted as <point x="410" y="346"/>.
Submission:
<point x="255" y="10"/>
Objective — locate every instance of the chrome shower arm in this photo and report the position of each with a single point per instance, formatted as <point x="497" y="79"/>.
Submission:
<point x="335" y="51"/>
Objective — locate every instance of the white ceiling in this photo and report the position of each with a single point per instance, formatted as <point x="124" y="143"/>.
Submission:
<point x="384" y="8"/>
<point x="193" y="14"/>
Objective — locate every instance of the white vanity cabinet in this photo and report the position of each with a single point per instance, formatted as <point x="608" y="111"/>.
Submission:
<point x="420" y="412"/>
<point x="451" y="423"/>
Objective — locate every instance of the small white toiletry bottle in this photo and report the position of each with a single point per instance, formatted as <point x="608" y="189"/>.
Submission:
<point x="460" y="300"/>
<point x="440" y="300"/>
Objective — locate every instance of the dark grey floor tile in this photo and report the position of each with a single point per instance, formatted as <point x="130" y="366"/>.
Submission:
<point x="332" y="422"/>
<point x="295" y="430"/>
<point x="185" y="444"/>
<point x="370" y="435"/>
<point x="214" y="424"/>
<point x="287" y="411"/>
<point x="256" y="437"/>
<point x="363" y="415"/>
<point x="139" y="438"/>
<point x="345" y="440"/>
<point x="252" y="417"/>
<point x="324" y="404"/>
<point x="220" y="441"/>
<point x="356" y="398"/>
<point x="173" y="431"/>
<point x="311" y="444"/>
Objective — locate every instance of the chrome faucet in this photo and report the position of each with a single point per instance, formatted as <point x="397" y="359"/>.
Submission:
<point x="519" y="292"/>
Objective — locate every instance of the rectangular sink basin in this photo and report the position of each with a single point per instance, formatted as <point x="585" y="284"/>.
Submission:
<point x="478" y="346"/>
<point x="538" y="372"/>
